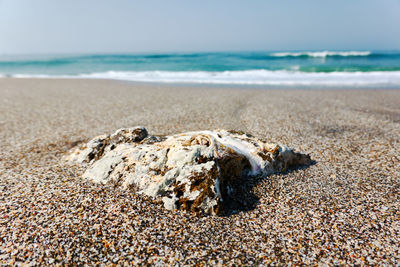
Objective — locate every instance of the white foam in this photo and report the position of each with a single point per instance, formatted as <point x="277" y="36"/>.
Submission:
<point x="250" y="77"/>
<point x="322" y="54"/>
<point x="26" y="76"/>
<point x="259" y="77"/>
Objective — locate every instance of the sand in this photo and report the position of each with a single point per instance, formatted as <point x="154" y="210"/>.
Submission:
<point x="344" y="209"/>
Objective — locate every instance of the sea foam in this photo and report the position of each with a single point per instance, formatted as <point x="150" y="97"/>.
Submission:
<point x="260" y="77"/>
<point x="282" y="78"/>
<point x="323" y="54"/>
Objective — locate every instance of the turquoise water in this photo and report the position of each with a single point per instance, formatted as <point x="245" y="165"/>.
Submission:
<point x="316" y="68"/>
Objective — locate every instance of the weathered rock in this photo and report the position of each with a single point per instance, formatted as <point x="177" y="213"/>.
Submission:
<point x="196" y="171"/>
<point x="102" y="144"/>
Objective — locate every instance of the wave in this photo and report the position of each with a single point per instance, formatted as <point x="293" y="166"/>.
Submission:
<point x="44" y="62"/>
<point x="323" y="54"/>
<point x="386" y="79"/>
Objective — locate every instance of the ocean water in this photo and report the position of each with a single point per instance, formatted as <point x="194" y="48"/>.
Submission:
<point x="318" y="69"/>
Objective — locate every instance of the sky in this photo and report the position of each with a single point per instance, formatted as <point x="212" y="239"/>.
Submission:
<point x="105" y="26"/>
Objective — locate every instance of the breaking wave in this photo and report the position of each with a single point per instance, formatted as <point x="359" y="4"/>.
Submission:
<point x="282" y="78"/>
<point x="323" y="54"/>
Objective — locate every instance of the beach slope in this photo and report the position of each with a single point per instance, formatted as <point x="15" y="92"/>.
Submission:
<point x="343" y="209"/>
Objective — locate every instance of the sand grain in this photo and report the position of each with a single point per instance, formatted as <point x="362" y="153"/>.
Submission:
<point x="343" y="209"/>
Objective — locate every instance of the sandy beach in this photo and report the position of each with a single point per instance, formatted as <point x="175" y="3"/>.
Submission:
<point x="344" y="209"/>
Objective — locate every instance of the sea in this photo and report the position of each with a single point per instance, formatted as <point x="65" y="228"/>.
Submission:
<point x="266" y="69"/>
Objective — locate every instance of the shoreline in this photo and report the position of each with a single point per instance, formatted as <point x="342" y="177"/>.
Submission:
<point x="219" y="85"/>
<point x="342" y="210"/>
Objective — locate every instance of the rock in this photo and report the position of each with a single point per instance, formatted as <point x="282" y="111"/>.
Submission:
<point x="194" y="171"/>
<point x="99" y="145"/>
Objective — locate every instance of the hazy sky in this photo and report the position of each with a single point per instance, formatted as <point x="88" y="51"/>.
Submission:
<point x="92" y="26"/>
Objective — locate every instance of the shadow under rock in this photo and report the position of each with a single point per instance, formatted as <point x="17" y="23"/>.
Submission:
<point x="245" y="199"/>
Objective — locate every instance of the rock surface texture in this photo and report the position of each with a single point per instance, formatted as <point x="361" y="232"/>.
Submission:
<point x="194" y="171"/>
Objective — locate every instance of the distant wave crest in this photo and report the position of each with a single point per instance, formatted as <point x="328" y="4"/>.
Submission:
<point x="386" y="79"/>
<point x="323" y="54"/>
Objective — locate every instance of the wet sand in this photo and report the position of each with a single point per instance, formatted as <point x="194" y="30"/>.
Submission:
<point x="343" y="209"/>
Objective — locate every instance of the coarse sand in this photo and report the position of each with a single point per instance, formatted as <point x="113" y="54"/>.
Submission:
<point x="344" y="209"/>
